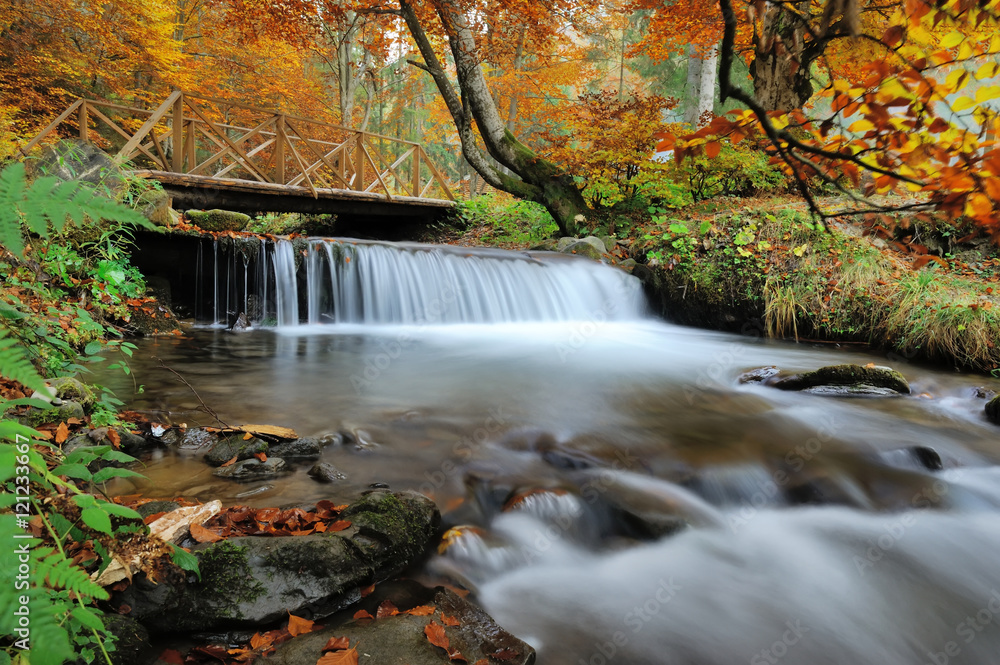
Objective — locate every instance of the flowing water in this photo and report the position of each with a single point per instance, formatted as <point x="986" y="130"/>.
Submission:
<point x="534" y="398"/>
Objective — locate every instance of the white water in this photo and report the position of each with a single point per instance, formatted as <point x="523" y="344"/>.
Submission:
<point x="350" y="282"/>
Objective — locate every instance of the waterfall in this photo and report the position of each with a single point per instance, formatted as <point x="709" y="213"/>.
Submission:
<point x="353" y="282"/>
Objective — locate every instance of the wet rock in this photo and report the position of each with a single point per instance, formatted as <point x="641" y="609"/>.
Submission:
<point x="548" y="245"/>
<point x="609" y="243"/>
<point x="628" y="265"/>
<point x="56" y="414"/>
<point x="565" y="242"/>
<point x="229" y="447"/>
<point x="241" y="324"/>
<point x="218" y="220"/>
<point x="307" y="448"/>
<point x="928" y="457"/>
<point x="79" y="160"/>
<point x="252" y="469"/>
<point x="587" y="249"/>
<point x="758" y="375"/>
<point x="325" y="472"/>
<point x="67" y="388"/>
<point x="195" y="438"/>
<point x="982" y="392"/>
<point x="254" y="581"/>
<point x="401" y="638"/>
<point x="154" y="507"/>
<point x="847" y="380"/>
<point x="132" y="645"/>
<point x="993" y="410"/>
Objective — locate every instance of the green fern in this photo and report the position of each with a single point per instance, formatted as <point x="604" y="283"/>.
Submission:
<point x="14" y="363"/>
<point x="45" y="206"/>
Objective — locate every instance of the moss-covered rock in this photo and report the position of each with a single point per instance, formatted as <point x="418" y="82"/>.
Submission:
<point x="132" y="645"/>
<point x="56" y="414"/>
<point x="68" y="388"/>
<point x="235" y="446"/>
<point x="582" y="248"/>
<point x="993" y="410"/>
<point x="218" y="220"/>
<point x="304" y="448"/>
<point x="846" y="380"/>
<point x="154" y="204"/>
<point x="255" y="581"/>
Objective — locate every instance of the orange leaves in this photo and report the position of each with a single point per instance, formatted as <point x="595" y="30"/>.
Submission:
<point x="386" y="609"/>
<point x="62" y="433"/>
<point x="299" y="626"/>
<point x="421" y="610"/>
<point x="337" y="644"/>
<point x="246" y="521"/>
<point x="436" y="636"/>
<point x="349" y="657"/>
<point x="203" y="535"/>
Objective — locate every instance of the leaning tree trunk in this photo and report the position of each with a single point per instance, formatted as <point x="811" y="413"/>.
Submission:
<point x="781" y="65"/>
<point x="534" y="178"/>
<point x="691" y="88"/>
<point x="706" y="87"/>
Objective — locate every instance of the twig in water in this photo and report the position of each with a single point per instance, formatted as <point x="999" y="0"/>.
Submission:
<point x="209" y="410"/>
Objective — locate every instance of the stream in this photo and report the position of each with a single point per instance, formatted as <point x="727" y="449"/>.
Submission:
<point x="539" y="404"/>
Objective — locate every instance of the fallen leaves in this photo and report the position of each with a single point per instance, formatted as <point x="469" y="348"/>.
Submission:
<point x="436" y="636"/>
<point x="246" y="521"/>
<point x="203" y="535"/>
<point x="349" y="657"/>
<point x="299" y="626"/>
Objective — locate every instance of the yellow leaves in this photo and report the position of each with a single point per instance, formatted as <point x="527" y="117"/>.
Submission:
<point x="987" y="93"/>
<point x="979" y="206"/>
<point x="859" y="126"/>
<point x="952" y="39"/>
<point x="956" y="80"/>
<point x="961" y="104"/>
<point x="989" y="70"/>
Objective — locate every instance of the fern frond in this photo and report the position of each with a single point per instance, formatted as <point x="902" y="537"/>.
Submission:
<point x="11" y="190"/>
<point x="14" y="364"/>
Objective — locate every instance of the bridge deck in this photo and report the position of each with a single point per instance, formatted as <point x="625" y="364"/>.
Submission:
<point x="203" y="192"/>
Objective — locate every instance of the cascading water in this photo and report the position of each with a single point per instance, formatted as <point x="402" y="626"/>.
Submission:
<point x="342" y="282"/>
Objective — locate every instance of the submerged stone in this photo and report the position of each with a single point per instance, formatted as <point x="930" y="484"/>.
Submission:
<point x="325" y="472"/>
<point x="993" y="410"/>
<point x="235" y="446"/>
<point x="252" y="469"/>
<point x="847" y="380"/>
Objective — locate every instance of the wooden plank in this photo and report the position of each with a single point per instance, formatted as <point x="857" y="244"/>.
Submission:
<point x="302" y="169"/>
<point x="177" y="125"/>
<point x="52" y="125"/>
<point x="378" y="175"/>
<point x="359" y="163"/>
<point x="147" y="126"/>
<point x="437" y="174"/>
<point x="190" y="146"/>
<point x="207" y="182"/>
<point x="125" y="135"/>
<point x="322" y="158"/>
<point x="240" y="141"/>
<point x="279" y="150"/>
<point x="159" y="150"/>
<point x="84" y="122"/>
<point x="232" y="146"/>
<point x="262" y="146"/>
<point x="416" y="173"/>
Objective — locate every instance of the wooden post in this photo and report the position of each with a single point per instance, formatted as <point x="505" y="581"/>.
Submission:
<point x="359" y="163"/>
<point x="416" y="173"/>
<point x="84" y="122"/>
<point x="190" y="147"/>
<point x="178" y="126"/>
<point x="279" y="150"/>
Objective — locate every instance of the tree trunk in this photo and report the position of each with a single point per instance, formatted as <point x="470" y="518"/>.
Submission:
<point x="706" y="86"/>
<point x="781" y="65"/>
<point x="691" y="88"/>
<point x="535" y="178"/>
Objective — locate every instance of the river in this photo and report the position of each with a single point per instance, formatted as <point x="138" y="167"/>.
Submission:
<point x="489" y="380"/>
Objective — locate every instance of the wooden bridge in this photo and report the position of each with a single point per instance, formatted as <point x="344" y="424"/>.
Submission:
<point x="212" y="153"/>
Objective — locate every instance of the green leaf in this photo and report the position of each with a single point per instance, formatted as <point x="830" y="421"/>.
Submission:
<point x="88" y="618"/>
<point x="96" y="519"/>
<point x="93" y="348"/>
<point x="120" y="511"/>
<point x="78" y="471"/>
<point x="185" y="560"/>
<point x="107" y="473"/>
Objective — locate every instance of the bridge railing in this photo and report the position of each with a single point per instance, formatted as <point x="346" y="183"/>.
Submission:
<point x="194" y="135"/>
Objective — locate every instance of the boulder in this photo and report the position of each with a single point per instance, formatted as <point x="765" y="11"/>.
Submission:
<point x="258" y="580"/>
<point x="56" y="414"/>
<point x="565" y="242"/>
<point x="400" y="638"/>
<point x="236" y="446"/>
<point x="583" y="248"/>
<point x="154" y="507"/>
<point x="628" y="265"/>
<point x="218" y="220"/>
<point x="847" y="380"/>
<point x="252" y="469"/>
<point x="325" y="472"/>
<point x="242" y="324"/>
<point x="306" y="448"/>
<point x="78" y="160"/>
<point x="154" y="205"/>
<point x="194" y="438"/>
<point x="547" y="245"/>
<point x="132" y="646"/>
<point x="758" y="375"/>
<point x="993" y="410"/>
<point x="68" y="388"/>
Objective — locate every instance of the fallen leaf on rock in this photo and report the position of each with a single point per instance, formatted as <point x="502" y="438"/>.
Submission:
<point x="247" y="436"/>
<point x="349" y="657"/>
<point x="203" y="535"/>
<point x="62" y="433"/>
<point x="114" y="437"/>
<point x="505" y="654"/>
<point x="172" y="656"/>
<point x="339" y="525"/>
<point x="337" y="644"/>
<point x="299" y="626"/>
<point x="386" y="609"/>
<point x="421" y="610"/>
<point x="482" y="661"/>
<point x="367" y="590"/>
<point x="261" y="456"/>
<point x="436" y="635"/>
<point x="231" y="461"/>
<point x="449" y="621"/>
<point x="363" y="615"/>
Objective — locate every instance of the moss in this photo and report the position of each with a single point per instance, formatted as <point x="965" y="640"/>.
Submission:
<point x="218" y="220"/>
<point x="384" y="515"/>
<point x="227" y="579"/>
